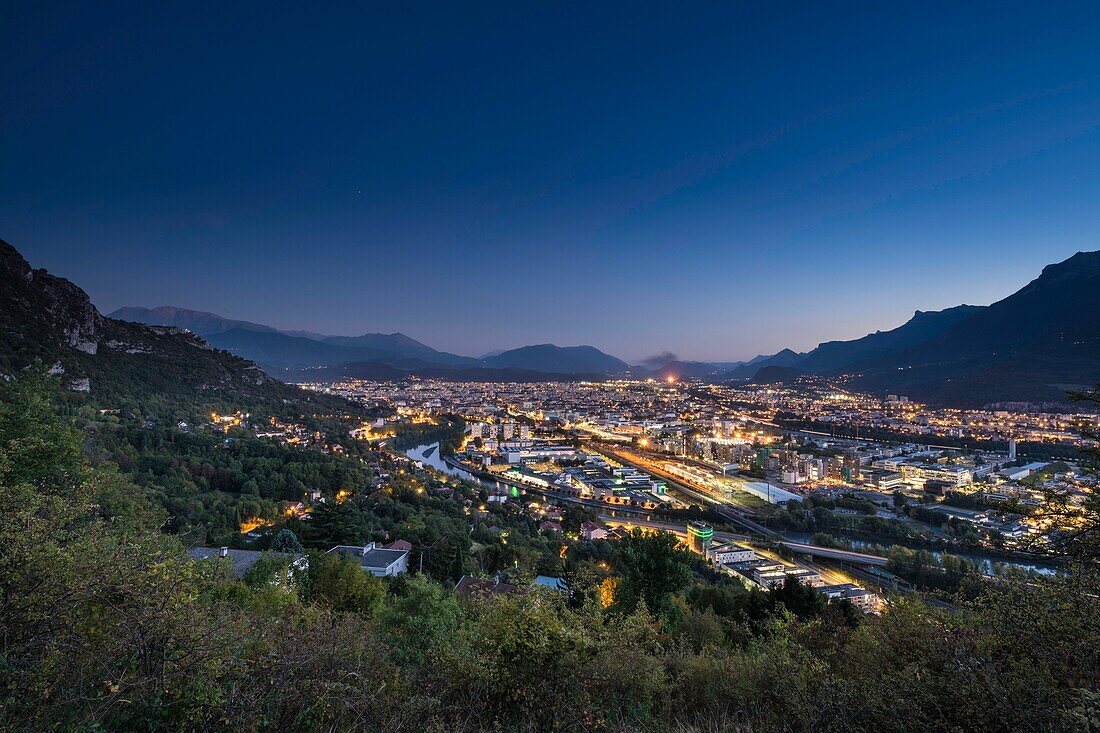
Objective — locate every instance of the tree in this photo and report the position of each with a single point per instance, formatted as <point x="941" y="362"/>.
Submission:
<point x="652" y="566"/>
<point x="286" y="541"/>
<point x="422" y="616"/>
<point x="36" y="445"/>
<point x="338" y="582"/>
<point x="798" y="598"/>
<point x="338" y="524"/>
<point x="574" y="516"/>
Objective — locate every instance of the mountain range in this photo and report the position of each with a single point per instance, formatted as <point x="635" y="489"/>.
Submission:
<point x="290" y="354"/>
<point x="1031" y="346"/>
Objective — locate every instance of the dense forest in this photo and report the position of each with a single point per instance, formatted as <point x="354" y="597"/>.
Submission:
<point x="105" y="624"/>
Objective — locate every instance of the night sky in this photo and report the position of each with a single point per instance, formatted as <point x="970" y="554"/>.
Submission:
<point x="712" y="179"/>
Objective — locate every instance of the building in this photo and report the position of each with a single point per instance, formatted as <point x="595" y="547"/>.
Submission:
<point x="769" y="493"/>
<point x="551" y="583"/>
<point x="592" y="531"/>
<point x="517" y="454"/>
<point x="468" y="586"/>
<point x="861" y="598"/>
<point x="730" y="554"/>
<point x="886" y="480"/>
<point x="241" y="561"/>
<point x="376" y="560"/>
<point x="700" y="535"/>
<point x="771" y="574"/>
<point x="919" y="473"/>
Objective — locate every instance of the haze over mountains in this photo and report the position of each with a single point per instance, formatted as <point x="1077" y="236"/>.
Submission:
<point x="1033" y="346"/>
<point x="291" y="354"/>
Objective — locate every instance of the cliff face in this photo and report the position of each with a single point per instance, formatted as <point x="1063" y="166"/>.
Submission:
<point x="49" y="321"/>
<point x="48" y="309"/>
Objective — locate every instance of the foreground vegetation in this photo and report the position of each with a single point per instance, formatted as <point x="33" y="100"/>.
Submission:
<point x="105" y="624"/>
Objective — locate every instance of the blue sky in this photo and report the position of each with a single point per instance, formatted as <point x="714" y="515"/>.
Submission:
<point x="712" y="179"/>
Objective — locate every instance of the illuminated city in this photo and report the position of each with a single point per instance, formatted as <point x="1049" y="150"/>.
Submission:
<point x="527" y="367"/>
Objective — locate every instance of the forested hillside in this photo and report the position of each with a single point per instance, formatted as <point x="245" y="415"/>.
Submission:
<point x="48" y="324"/>
<point x="105" y="624"/>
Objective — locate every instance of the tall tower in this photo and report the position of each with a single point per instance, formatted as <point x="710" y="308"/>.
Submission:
<point x="700" y="535"/>
<point x="1012" y="449"/>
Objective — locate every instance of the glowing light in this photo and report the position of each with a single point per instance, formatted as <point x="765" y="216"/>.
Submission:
<point x="253" y="523"/>
<point x="607" y="591"/>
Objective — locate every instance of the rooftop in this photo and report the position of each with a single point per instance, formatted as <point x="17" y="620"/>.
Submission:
<point x="242" y="560"/>
<point x="370" y="556"/>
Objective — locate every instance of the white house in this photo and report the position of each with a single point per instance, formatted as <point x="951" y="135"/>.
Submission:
<point x="730" y="554"/>
<point x="376" y="560"/>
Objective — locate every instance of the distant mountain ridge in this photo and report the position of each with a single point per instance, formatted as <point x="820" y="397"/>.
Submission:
<point x="280" y="351"/>
<point x="784" y="358"/>
<point x="563" y="359"/>
<point x="399" y="343"/>
<point x="381" y="371"/>
<point x="922" y="326"/>
<point x="199" y="322"/>
<point x="1031" y="346"/>
<point x="284" y="353"/>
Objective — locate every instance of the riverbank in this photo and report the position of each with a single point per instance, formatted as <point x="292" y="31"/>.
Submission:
<point x="989" y="560"/>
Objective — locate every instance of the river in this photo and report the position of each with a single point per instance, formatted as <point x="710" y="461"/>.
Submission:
<point x="981" y="559"/>
<point x="429" y="456"/>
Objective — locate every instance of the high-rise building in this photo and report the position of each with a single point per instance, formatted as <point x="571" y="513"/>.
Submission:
<point x="700" y="535"/>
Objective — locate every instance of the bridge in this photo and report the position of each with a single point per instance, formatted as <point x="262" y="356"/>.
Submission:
<point x="830" y="553"/>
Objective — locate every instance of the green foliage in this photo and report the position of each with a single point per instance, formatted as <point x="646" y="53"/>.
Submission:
<point x="652" y="566"/>
<point x="105" y="624"/>
<point x="421" y="618"/>
<point x="337" y="582"/>
<point x="36" y="445"/>
<point x="286" y="541"/>
<point x="448" y="433"/>
<point x="270" y="569"/>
